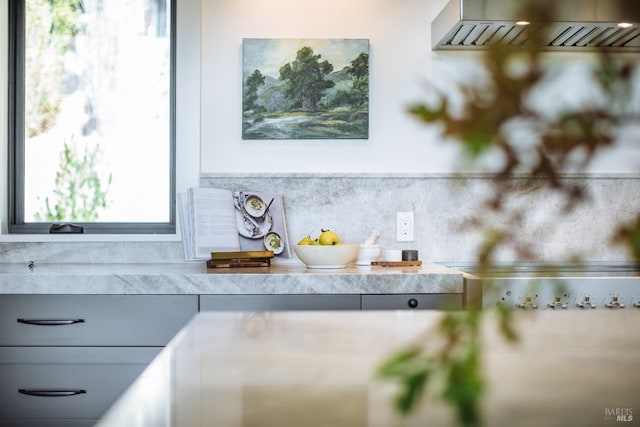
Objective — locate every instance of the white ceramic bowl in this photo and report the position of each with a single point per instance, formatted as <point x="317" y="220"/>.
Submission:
<point x="273" y="242"/>
<point x="319" y="256"/>
<point x="255" y="206"/>
<point x="367" y="254"/>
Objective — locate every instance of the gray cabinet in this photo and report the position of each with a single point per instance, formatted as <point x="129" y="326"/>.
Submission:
<point x="93" y="320"/>
<point x="331" y="302"/>
<point x="59" y="382"/>
<point x="412" y="302"/>
<point x="64" y="422"/>
<point x="64" y="359"/>
<point x="279" y="302"/>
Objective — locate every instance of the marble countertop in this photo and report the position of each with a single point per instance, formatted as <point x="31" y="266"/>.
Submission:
<point x="194" y="278"/>
<point x="316" y="369"/>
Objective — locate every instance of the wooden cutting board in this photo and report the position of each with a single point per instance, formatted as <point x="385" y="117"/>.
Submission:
<point x="396" y="263"/>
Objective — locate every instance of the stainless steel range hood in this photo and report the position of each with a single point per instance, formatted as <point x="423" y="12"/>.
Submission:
<point x="580" y="25"/>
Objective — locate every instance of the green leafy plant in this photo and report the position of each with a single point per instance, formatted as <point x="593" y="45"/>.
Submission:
<point x="80" y="193"/>
<point x="448" y="368"/>
<point x="491" y="109"/>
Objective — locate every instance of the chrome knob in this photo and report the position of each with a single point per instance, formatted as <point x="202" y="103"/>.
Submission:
<point x="557" y="305"/>
<point x="586" y="303"/>
<point x="528" y="304"/>
<point x="615" y="303"/>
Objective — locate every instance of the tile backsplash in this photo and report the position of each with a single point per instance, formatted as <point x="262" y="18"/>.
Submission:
<point x="355" y="204"/>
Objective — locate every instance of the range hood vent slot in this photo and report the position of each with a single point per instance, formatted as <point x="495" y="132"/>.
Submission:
<point x="476" y="24"/>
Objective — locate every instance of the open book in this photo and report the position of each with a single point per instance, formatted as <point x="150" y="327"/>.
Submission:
<point x="216" y="220"/>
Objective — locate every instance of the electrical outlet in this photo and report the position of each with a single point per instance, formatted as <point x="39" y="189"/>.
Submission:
<point x="404" y="226"/>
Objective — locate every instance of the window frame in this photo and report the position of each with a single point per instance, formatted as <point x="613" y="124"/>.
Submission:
<point x="16" y="138"/>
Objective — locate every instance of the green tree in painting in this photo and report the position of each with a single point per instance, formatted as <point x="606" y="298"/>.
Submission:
<point x="250" y="95"/>
<point x="306" y="79"/>
<point x="359" y="93"/>
<point x="359" y="67"/>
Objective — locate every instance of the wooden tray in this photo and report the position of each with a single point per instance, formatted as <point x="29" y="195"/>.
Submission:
<point x="237" y="264"/>
<point x="396" y="263"/>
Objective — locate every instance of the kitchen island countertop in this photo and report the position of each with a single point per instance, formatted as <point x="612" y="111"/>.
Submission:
<point x="195" y="278"/>
<point x="283" y="369"/>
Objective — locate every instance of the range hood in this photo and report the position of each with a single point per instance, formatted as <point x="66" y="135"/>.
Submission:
<point x="580" y="25"/>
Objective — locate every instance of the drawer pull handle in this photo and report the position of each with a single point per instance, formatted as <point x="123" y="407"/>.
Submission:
<point x="51" y="393"/>
<point x="412" y="303"/>
<point x="50" y="322"/>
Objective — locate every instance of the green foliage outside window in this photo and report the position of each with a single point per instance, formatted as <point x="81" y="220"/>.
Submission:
<point x="52" y="25"/>
<point x="80" y="193"/>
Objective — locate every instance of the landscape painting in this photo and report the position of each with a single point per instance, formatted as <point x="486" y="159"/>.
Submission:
<point x="305" y="89"/>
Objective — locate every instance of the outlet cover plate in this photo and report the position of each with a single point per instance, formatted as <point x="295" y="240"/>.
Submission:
<point x="405" y="227"/>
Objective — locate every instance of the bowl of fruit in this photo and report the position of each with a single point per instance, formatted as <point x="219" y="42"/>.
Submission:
<point x="326" y="251"/>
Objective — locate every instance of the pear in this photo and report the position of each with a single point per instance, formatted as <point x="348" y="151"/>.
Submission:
<point x="328" y="238"/>
<point x="306" y="241"/>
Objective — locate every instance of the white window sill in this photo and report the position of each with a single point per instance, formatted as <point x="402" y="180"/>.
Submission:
<point x="37" y="238"/>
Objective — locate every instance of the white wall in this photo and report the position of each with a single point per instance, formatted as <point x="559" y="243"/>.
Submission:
<point x="210" y="34"/>
<point x="401" y="67"/>
<point x="399" y="37"/>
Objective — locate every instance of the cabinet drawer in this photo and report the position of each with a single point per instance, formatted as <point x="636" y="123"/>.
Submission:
<point x="279" y="302"/>
<point x="93" y="320"/>
<point x="412" y="302"/>
<point x="66" y="422"/>
<point x="74" y="383"/>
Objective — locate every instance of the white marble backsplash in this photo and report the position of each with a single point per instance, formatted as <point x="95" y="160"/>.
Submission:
<point x="355" y="204"/>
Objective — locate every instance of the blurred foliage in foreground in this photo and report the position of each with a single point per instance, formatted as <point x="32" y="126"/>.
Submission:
<point x="449" y="365"/>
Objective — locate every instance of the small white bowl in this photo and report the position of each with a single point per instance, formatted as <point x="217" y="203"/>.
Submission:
<point x="392" y="255"/>
<point x="255" y="206"/>
<point x="320" y="256"/>
<point x="273" y="242"/>
<point x="367" y="254"/>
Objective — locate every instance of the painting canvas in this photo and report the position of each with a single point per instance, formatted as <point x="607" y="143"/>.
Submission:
<point x="305" y="89"/>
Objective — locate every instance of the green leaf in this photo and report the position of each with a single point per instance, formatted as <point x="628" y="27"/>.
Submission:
<point x="412" y="371"/>
<point x="427" y="114"/>
<point x="412" y="391"/>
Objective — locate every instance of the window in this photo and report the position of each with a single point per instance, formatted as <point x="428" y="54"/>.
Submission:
<point x="92" y="116"/>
